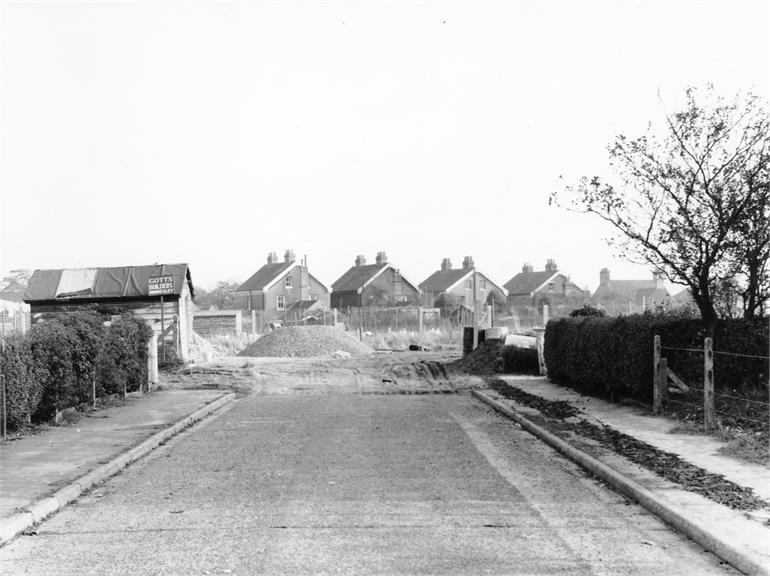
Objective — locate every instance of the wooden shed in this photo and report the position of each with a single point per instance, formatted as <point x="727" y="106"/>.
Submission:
<point x="137" y="290"/>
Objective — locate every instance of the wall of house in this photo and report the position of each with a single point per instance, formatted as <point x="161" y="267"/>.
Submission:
<point x="344" y="300"/>
<point x="389" y="288"/>
<point x="318" y="291"/>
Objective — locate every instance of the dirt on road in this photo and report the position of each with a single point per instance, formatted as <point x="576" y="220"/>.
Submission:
<point x="379" y="373"/>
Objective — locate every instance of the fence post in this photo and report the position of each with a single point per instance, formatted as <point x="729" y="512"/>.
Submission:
<point x="657" y="386"/>
<point x="253" y="323"/>
<point x="419" y="322"/>
<point x="708" y="383"/>
<point x="545" y="315"/>
<point x="152" y="362"/>
<point x="540" y="340"/>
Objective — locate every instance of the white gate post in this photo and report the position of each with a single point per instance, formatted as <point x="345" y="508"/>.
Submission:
<point x="152" y="362"/>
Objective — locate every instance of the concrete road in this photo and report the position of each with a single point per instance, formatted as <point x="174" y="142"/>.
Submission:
<point x="354" y="484"/>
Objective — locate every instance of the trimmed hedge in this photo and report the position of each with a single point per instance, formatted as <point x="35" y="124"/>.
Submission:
<point x="614" y="356"/>
<point x="519" y="360"/>
<point x="59" y="362"/>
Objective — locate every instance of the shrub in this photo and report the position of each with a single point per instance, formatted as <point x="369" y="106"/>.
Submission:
<point x="520" y="360"/>
<point x="588" y="310"/>
<point x="22" y="383"/>
<point x="51" y="344"/>
<point x="87" y="331"/>
<point x="614" y="356"/>
<point x="123" y="359"/>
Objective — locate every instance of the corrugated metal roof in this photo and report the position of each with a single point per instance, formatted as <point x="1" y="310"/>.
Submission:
<point x="114" y="282"/>
<point x="264" y="276"/>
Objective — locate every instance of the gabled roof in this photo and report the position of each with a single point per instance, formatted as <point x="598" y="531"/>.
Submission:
<point x="357" y="277"/>
<point x="442" y="280"/>
<point x="265" y="276"/>
<point x="12" y="291"/>
<point x="628" y="287"/>
<point x="95" y="283"/>
<point x="528" y="282"/>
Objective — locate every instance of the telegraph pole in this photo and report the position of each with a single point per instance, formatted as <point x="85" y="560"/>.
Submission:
<point x="475" y="313"/>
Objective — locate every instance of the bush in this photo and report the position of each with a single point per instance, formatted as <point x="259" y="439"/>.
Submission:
<point x="614" y="356"/>
<point x="22" y="384"/>
<point x="589" y="311"/>
<point x="59" y="362"/>
<point x="123" y="361"/>
<point x="520" y="360"/>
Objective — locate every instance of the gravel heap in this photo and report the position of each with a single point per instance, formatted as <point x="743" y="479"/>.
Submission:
<point x="306" y="341"/>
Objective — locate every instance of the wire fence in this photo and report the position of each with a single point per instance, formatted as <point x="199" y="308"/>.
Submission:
<point x="721" y="386"/>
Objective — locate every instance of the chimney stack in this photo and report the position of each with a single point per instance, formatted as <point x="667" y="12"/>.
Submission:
<point x="382" y="258"/>
<point x="360" y="260"/>
<point x="659" y="278"/>
<point x="272" y="258"/>
<point x="550" y="265"/>
<point x="289" y="256"/>
<point x="604" y="277"/>
<point x="468" y="263"/>
<point x="446" y="264"/>
<point x="527" y="268"/>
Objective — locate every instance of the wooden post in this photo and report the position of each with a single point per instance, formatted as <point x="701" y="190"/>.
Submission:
<point x="657" y="385"/>
<point x="253" y="323"/>
<point x="419" y="322"/>
<point x="475" y="314"/>
<point x="545" y="315"/>
<point x="162" y="329"/>
<point x="663" y="380"/>
<point x="708" y="383"/>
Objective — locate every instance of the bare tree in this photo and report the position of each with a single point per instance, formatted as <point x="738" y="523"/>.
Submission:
<point x="682" y="199"/>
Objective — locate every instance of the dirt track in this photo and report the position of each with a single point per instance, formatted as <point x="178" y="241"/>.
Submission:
<point x="395" y="373"/>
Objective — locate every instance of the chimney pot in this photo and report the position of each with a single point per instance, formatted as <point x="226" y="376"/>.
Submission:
<point x="446" y="264"/>
<point x="468" y="263"/>
<point x="604" y="276"/>
<point x="550" y="265"/>
<point x="382" y="258"/>
<point x="360" y="260"/>
<point x="289" y="256"/>
<point x="527" y="268"/>
<point x="272" y="258"/>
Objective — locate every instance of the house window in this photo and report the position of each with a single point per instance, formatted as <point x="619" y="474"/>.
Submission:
<point x="313" y="297"/>
<point x="288" y="281"/>
<point x="483" y="283"/>
<point x="469" y="284"/>
<point x="281" y="303"/>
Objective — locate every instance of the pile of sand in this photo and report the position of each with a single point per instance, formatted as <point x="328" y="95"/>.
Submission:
<point x="306" y="341"/>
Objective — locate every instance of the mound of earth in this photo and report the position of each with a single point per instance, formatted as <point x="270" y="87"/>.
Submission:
<point x="481" y="360"/>
<point x="306" y="341"/>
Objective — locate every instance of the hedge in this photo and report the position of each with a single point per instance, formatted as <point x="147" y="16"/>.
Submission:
<point x="59" y="363"/>
<point x="613" y="357"/>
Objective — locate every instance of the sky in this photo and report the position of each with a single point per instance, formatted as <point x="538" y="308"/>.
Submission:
<point x="215" y="133"/>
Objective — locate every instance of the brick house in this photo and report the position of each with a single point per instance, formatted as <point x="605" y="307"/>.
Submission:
<point x="373" y="285"/>
<point x="277" y="285"/>
<point x="630" y="296"/>
<point x="455" y="285"/>
<point x="531" y="287"/>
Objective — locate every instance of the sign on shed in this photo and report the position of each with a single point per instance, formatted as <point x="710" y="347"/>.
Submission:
<point x="160" y="285"/>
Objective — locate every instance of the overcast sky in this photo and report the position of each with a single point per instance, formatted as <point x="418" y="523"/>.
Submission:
<point x="214" y="133"/>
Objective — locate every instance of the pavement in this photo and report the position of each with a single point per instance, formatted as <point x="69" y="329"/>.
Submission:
<point x="741" y="538"/>
<point x="355" y="484"/>
<point x="42" y="472"/>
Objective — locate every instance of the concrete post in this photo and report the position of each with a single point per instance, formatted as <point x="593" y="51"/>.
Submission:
<point x="152" y="362"/>
<point x="540" y="339"/>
